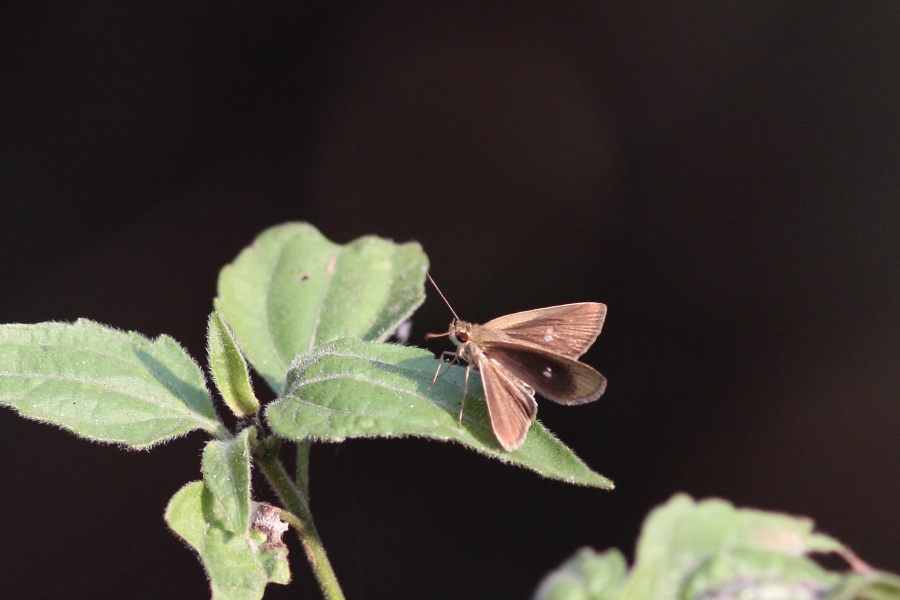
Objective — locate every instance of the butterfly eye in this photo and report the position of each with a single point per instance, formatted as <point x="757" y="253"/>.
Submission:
<point x="462" y="336"/>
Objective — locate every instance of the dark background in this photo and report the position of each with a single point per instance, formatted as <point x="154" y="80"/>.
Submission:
<point x="725" y="177"/>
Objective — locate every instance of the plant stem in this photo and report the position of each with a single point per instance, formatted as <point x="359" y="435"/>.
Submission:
<point x="303" y="467"/>
<point x="296" y="502"/>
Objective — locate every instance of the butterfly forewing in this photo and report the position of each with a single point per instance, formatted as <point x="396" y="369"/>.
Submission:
<point x="568" y="329"/>
<point x="554" y="377"/>
<point x="511" y="405"/>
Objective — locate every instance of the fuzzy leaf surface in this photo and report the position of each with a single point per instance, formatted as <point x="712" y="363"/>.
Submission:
<point x="104" y="384"/>
<point x="226" y="473"/>
<point x="352" y="389"/>
<point x="293" y="289"/>
<point x="238" y="565"/>
<point x="229" y="369"/>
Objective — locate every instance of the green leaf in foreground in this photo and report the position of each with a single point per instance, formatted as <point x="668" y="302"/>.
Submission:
<point x="238" y="565"/>
<point x="226" y="473"/>
<point x="710" y="550"/>
<point x="293" y="289"/>
<point x="229" y="369"/>
<point x="353" y="389"/>
<point x="587" y="575"/>
<point x="682" y="535"/>
<point x="104" y="384"/>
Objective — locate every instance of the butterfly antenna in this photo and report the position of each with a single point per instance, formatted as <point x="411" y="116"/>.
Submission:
<point x="443" y="297"/>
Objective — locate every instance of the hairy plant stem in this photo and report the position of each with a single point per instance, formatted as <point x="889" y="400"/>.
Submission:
<point x="303" y="467"/>
<point x="297" y="502"/>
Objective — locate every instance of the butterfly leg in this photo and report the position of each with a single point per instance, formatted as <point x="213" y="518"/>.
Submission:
<point x="462" y="404"/>
<point x="438" y="373"/>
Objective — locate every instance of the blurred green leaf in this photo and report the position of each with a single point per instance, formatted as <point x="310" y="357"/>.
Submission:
<point x="710" y="550"/>
<point x="293" y="289"/>
<point x="682" y="535"/>
<point x="588" y="575"/>
<point x="743" y="572"/>
<point x="104" y="384"/>
<point x="875" y="585"/>
<point x="352" y="389"/>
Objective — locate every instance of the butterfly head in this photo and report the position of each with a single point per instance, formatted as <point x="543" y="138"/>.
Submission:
<point x="459" y="332"/>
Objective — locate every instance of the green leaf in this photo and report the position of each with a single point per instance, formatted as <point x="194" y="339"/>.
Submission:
<point x="226" y="472"/>
<point x="229" y="369"/>
<point x="238" y="565"/>
<point x="351" y="389"/>
<point x="293" y="289"/>
<point x="710" y="550"/>
<point x="690" y="549"/>
<point x="763" y="574"/>
<point x="684" y="525"/>
<point x="875" y="585"/>
<point x="588" y="575"/>
<point x="104" y="384"/>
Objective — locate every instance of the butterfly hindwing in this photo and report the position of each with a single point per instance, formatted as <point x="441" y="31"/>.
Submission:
<point x="554" y="377"/>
